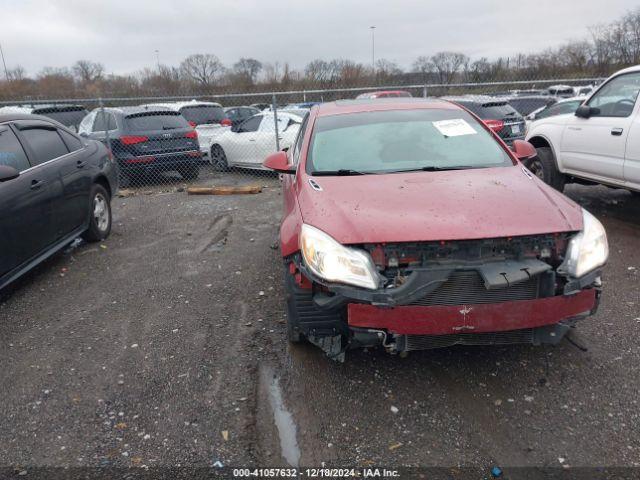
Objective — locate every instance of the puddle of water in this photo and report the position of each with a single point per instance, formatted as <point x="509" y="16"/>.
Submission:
<point x="285" y="424"/>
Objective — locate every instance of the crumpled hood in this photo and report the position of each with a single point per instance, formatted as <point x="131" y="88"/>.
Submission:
<point x="427" y="206"/>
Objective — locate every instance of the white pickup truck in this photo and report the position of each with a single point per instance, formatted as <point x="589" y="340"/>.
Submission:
<point x="600" y="143"/>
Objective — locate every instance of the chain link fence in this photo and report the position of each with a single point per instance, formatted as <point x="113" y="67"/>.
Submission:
<point x="224" y="138"/>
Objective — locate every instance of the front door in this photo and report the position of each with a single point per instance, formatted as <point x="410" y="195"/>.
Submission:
<point x="25" y="207"/>
<point x="595" y="147"/>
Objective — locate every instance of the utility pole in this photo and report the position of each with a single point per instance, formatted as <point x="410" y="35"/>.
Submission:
<point x="373" y="47"/>
<point x="158" y="59"/>
<point x="4" y="64"/>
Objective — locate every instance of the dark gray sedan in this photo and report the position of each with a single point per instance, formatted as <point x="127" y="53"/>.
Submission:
<point x="54" y="187"/>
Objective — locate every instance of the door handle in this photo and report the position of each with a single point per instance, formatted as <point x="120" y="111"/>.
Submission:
<point x="616" y="131"/>
<point x="36" y="184"/>
<point x="81" y="163"/>
<point x="252" y="139"/>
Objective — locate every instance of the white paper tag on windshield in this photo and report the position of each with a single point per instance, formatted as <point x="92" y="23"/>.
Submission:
<point x="454" y="128"/>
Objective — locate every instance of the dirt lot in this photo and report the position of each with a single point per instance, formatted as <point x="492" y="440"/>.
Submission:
<point x="165" y="346"/>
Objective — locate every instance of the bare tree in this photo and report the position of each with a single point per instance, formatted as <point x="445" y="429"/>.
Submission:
<point x="203" y="69"/>
<point x="424" y="66"/>
<point x="249" y="68"/>
<point x="447" y="64"/>
<point x="87" y="71"/>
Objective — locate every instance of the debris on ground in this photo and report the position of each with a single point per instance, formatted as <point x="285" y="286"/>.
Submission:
<point x="225" y="190"/>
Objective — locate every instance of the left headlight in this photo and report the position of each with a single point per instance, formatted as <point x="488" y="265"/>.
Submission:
<point x="334" y="262"/>
<point x="588" y="249"/>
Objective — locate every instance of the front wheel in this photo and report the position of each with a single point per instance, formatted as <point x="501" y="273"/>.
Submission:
<point x="100" y="215"/>
<point x="544" y="167"/>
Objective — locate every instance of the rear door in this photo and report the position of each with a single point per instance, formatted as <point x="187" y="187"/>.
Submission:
<point x="26" y="205"/>
<point x="595" y="147"/>
<point x="66" y="169"/>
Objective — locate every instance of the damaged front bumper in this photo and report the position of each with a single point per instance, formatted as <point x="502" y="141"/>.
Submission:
<point x="396" y="319"/>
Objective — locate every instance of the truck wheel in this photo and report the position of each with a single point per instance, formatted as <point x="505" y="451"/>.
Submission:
<point x="544" y="167"/>
<point x="100" y="215"/>
<point x="219" y="159"/>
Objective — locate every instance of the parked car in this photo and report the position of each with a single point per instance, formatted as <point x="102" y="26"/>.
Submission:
<point x="54" y="187"/>
<point x="247" y="144"/>
<point x="407" y="224"/>
<point x="236" y="115"/>
<point x="525" y="104"/>
<point x="562" y="106"/>
<point x="599" y="143"/>
<point x="261" y="106"/>
<point x="385" y="94"/>
<point x="68" y="115"/>
<point x="146" y="139"/>
<point x="582" y="90"/>
<point x="501" y="117"/>
<point x="195" y="112"/>
<point x="562" y="91"/>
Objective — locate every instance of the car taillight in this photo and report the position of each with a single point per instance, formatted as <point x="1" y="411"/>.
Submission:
<point x="133" y="139"/>
<point x="193" y="134"/>
<point x="495" y="125"/>
<point x="193" y="124"/>
<point x="225" y="122"/>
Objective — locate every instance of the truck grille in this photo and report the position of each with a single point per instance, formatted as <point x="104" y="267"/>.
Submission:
<point x="426" y="342"/>
<point x="466" y="287"/>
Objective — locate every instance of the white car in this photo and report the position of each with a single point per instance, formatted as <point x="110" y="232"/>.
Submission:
<point x="598" y="143"/>
<point x="248" y="144"/>
<point x="196" y="112"/>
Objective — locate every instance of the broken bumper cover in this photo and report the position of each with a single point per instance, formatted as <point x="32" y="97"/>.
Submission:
<point x="480" y="318"/>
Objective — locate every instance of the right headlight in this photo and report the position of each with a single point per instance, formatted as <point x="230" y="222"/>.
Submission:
<point x="332" y="261"/>
<point x="588" y="249"/>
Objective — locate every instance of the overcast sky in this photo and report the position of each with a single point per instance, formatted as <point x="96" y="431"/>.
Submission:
<point x="124" y="34"/>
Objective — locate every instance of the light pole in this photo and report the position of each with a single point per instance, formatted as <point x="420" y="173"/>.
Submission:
<point x="158" y="59"/>
<point x="373" y="47"/>
<point x="4" y="64"/>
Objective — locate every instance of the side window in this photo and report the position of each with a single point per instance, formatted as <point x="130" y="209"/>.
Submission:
<point x="73" y="142"/>
<point x="45" y="143"/>
<point x="104" y="121"/>
<point x="297" y="147"/>
<point x="251" y="125"/>
<point x="618" y="97"/>
<point x="11" y="152"/>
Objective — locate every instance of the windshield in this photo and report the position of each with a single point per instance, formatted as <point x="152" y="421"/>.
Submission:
<point x="202" y="114"/>
<point x="402" y="140"/>
<point x="156" y="121"/>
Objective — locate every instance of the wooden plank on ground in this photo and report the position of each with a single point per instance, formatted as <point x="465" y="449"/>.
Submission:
<point x="225" y="190"/>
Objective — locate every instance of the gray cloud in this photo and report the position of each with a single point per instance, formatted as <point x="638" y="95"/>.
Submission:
<point x="125" y="34"/>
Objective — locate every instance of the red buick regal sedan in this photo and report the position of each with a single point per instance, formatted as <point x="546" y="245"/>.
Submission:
<point x="409" y="224"/>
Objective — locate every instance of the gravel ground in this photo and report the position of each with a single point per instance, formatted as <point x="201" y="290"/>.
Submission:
<point x="165" y="346"/>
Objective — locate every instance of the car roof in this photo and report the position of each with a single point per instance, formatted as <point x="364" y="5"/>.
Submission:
<point x="381" y="104"/>
<point x="478" y="99"/>
<point x="139" y="109"/>
<point x="178" y="105"/>
<point x="28" y="107"/>
<point x="13" y="117"/>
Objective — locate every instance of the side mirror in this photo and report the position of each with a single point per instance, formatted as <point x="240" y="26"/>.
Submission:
<point x="585" y="111"/>
<point x="8" y="173"/>
<point x="279" y="162"/>
<point x="523" y="150"/>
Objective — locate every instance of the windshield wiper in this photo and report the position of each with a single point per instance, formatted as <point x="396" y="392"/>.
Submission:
<point x="343" y="172"/>
<point x="433" y="168"/>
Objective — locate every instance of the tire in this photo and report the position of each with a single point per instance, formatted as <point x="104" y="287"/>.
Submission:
<point x="219" y="159"/>
<point x="544" y="167"/>
<point x="100" y="215"/>
<point x="190" y="172"/>
<point x="293" y="329"/>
